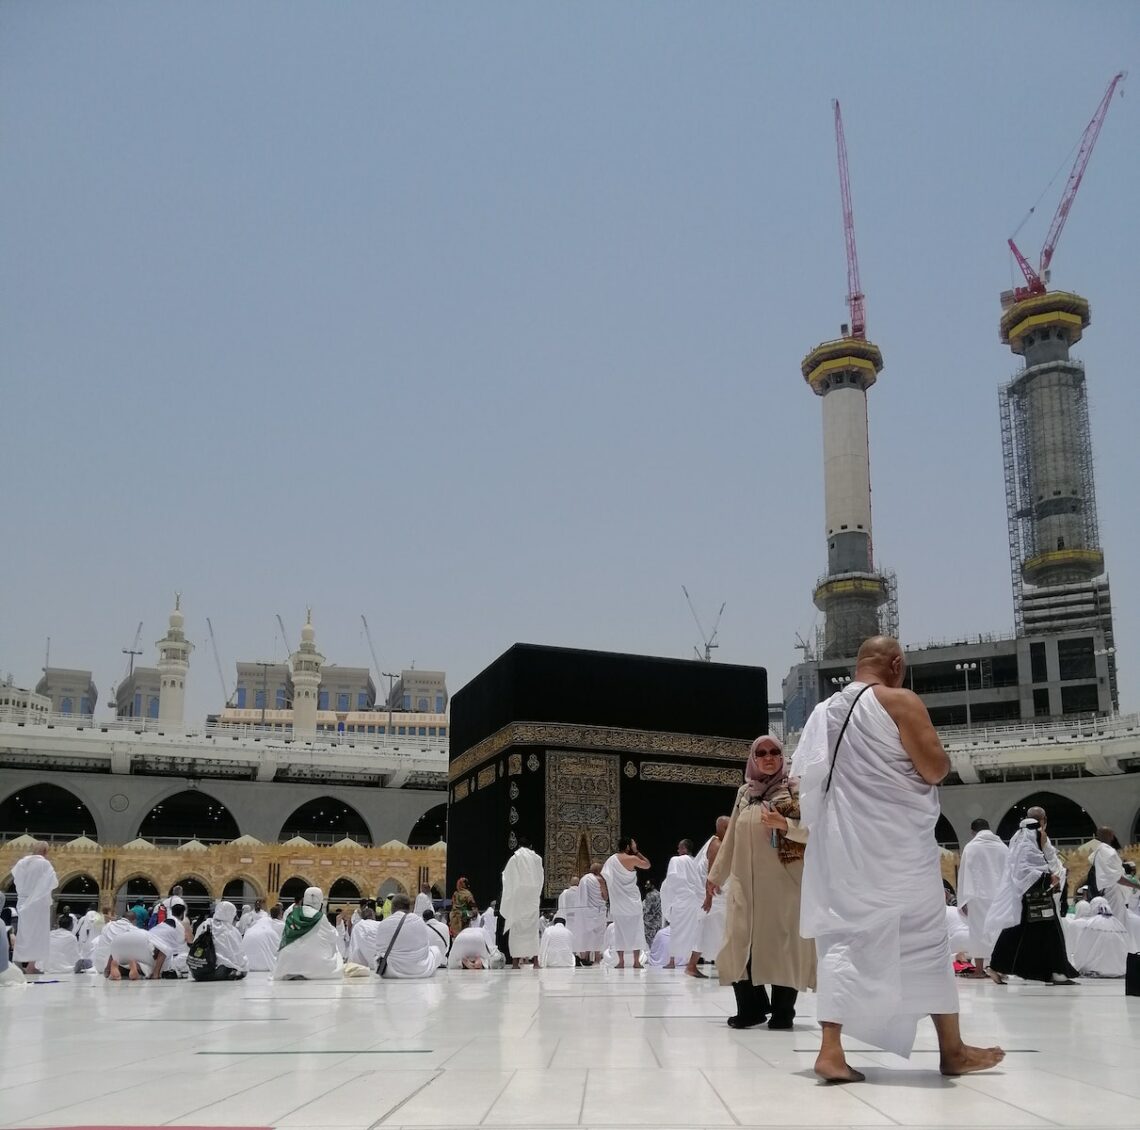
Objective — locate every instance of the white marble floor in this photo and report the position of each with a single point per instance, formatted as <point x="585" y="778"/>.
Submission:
<point x="591" y="1048"/>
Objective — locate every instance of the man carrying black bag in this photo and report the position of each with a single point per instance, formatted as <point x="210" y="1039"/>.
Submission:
<point x="404" y="944"/>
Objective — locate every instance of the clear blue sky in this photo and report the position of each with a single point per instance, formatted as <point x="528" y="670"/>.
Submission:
<point x="486" y="320"/>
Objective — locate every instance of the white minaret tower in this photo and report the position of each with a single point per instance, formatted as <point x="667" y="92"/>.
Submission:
<point x="173" y="663"/>
<point x="307" y="663"/>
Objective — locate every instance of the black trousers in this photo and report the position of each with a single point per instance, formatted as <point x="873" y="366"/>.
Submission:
<point x="754" y="1005"/>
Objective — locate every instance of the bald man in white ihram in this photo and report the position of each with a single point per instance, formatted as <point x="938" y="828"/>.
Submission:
<point x="35" y="879"/>
<point x="869" y="762"/>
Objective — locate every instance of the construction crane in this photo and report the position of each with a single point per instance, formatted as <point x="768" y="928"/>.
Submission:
<point x="372" y="649"/>
<point x="709" y="641"/>
<point x="132" y="651"/>
<point x="1037" y="278"/>
<point x="284" y="636"/>
<point x="855" y="298"/>
<point x="228" y="699"/>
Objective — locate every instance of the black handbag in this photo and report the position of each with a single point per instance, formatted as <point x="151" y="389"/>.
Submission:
<point x="382" y="964"/>
<point x="1038" y="903"/>
<point x="1132" y="975"/>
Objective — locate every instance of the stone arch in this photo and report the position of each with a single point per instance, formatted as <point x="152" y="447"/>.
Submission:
<point x="1068" y="821"/>
<point x="344" y="889"/>
<point x="326" y="818"/>
<point x="62" y="812"/>
<point x="247" y="880"/>
<point x="85" y="894"/>
<point x="184" y="814"/>
<point x="135" y="880"/>
<point x="391" y="886"/>
<point x="293" y="887"/>
<point x="945" y="834"/>
<point x="430" y="828"/>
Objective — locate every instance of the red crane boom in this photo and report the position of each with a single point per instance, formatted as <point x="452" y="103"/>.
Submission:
<point x="855" y="298"/>
<point x="1035" y="278"/>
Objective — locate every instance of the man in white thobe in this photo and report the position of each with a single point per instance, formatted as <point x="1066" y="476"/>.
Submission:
<point x="362" y="940"/>
<point x="423" y="901"/>
<point x="1111" y="880"/>
<point x="522" y="890"/>
<point x="404" y="937"/>
<point x="716" y="901"/>
<point x="569" y="908"/>
<point x="869" y="762"/>
<point x="439" y="936"/>
<point x="682" y="899"/>
<point x="557" y="948"/>
<point x="63" y="949"/>
<point x="489" y="923"/>
<point x="35" y="879"/>
<point x="981" y="874"/>
<point x="620" y="875"/>
<point x="309" y="949"/>
<point x="262" y="941"/>
<point x="591" y="932"/>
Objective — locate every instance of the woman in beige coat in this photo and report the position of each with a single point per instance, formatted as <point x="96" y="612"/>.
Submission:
<point x="763" y="854"/>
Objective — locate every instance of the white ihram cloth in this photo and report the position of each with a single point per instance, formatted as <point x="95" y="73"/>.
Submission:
<point x="609" y="956"/>
<point x="557" y="948"/>
<point x="470" y="942"/>
<point x="412" y="955"/>
<point x="260" y="945"/>
<point x="659" y="950"/>
<point x="362" y="944"/>
<point x="123" y="942"/>
<point x="712" y="923"/>
<point x="591" y="915"/>
<point x="880" y="932"/>
<point x="981" y="874"/>
<point x="522" y="890"/>
<point x="90" y="926"/>
<point x="570" y="908"/>
<point x="63" y="952"/>
<point x="958" y="930"/>
<point x="1109" y="871"/>
<point x="1097" y="942"/>
<point x="227" y="940"/>
<point x="439" y="937"/>
<point x="423" y="902"/>
<point x="625" y="905"/>
<point x="682" y="894"/>
<point x="488" y="923"/>
<point x="314" y="956"/>
<point x="1026" y="865"/>
<point x="35" y="879"/>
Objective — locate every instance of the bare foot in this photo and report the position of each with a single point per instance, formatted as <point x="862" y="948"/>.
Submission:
<point x="113" y="972"/>
<point x="996" y="977"/>
<point x="638" y="965"/>
<point x="696" y="973"/>
<point x="837" y="1070"/>
<point x="620" y="965"/>
<point x="967" y="1060"/>
<point x="134" y="971"/>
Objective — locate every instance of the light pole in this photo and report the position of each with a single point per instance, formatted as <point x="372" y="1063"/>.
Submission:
<point x="264" y="665"/>
<point x="966" y="668"/>
<point x="391" y="680"/>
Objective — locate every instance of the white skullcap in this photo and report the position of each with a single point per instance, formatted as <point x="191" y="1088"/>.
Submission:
<point x="1084" y="910"/>
<point x="225" y="912"/>
<point x="312" y="902"/>
<point x="1100" y="906"/>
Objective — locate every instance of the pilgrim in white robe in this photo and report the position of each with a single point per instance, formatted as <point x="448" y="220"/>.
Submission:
<point x="35" y="879"/>
<point x="981" y="874"/>
<point x="522" y="890"/>
<point x="123" y="942"/>
<point x="570" y="908"/>
<point x="423" y="902"/>
<point x="625" y="905"/>
<point x="557" y="948"/>
<point x="439" y="937"/>
<point x="90" y="926"/>
<point x="609" y="954"/>
<point x="958" y="930"/>
<point x="882" y="948"/>
<point x="469" y="944"/>
<point x="260" y="944"/>
<point x="362" y="944"/>
<point x="590" y="931"/>
<point x="712" y="921"/>
<point x="1025" y="867"/>
<point x="1097" y="942"/>
<point x="63" y="952"/>
<point x="311" y="955"/>
<point x="412" y="954"/>
<point x="246" y="919"/>
<point x="10" y="975"/>
<point x="169" y="936"/>
<point x="682" y="896"/>
<point x="227" y="938"/>
<point x="489" y="923"/>
<point x="659" y="951"/>
<point x="1109" y="869"/>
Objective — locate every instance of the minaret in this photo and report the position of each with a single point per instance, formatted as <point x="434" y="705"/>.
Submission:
<point x="173" y="663"/>
<point x="851" y="593"/>
<point x="307" y="663"/>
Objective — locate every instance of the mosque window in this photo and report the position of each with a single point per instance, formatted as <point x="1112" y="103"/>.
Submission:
<point x="84" y="706"/>
<point x="407" y="702"/>
<point x="401" y="729"/>
<point x="439" y="704"/>
<point x="259" y="700"/>
<point x="152" y="706"/>
<point x="362" y="700"/>
<point x="342" y="701"/>
<point x="323" y="700"/>
<point x="423" y="732"/>
<point x="241" y="698"/>
<point x="137" y="712"/>
<point x="280" y="698"/>
<point x="66" y="706"/>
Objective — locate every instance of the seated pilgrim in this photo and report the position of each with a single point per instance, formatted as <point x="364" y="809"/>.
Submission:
<point x="958" y="929"/>
<point x="469" y="949"/>
<point x="63" y="949"/>
<point x="362" y="940"/>
<point x="90" y="927"/>
<point x="609" y="957"/>
<point x="439" y="936"/>
<point x="405" y="939"/>
<point x="228" y="953"/>
<point x="172" y="938"/>
<point x="262" y="940"/>
<point x="556" y="947"/>
<point x="309" y="949"/>
<point x="1097" y="942"/>
<point x="659" y="953"/>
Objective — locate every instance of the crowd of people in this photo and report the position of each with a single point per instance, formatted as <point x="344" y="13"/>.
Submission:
<point x="787" y="894"/>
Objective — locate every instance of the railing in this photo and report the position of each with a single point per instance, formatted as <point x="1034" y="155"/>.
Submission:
<point x="1077" y="728"/>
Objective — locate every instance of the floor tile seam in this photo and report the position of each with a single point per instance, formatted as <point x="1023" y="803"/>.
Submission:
<point x="557" y="1045"/>
<point x="226" y="1098"/>
<point x="965" y="1081"/>
<point x="332" y="1087"/>
<point x="854" y="1093"/>
<point x="463" y="1047"/>
<point x="585" y="1091"/>
<point x="720" y="1098"/>
<point x="498" y="1095"/>
<point x="653" y="1052"/>
<point x="437" y="1074"/>
<point x="102" y="1095"/>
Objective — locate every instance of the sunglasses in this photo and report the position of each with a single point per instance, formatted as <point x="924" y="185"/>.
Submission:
<point x="768" y="753"/>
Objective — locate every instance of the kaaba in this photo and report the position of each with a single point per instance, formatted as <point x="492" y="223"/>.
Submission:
<point x="570" y="749"/>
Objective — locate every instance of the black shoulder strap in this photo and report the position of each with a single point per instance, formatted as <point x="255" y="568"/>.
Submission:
<point x="842" y="731"/>
<point x="395" y="935"/>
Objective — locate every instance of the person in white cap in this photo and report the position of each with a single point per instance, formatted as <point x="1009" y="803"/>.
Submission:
<point x="309" y="950"/>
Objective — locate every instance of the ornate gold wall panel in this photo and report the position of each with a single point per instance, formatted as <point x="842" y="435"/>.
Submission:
<point x="582" y="799"/>
<point x="682" y="774"/>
